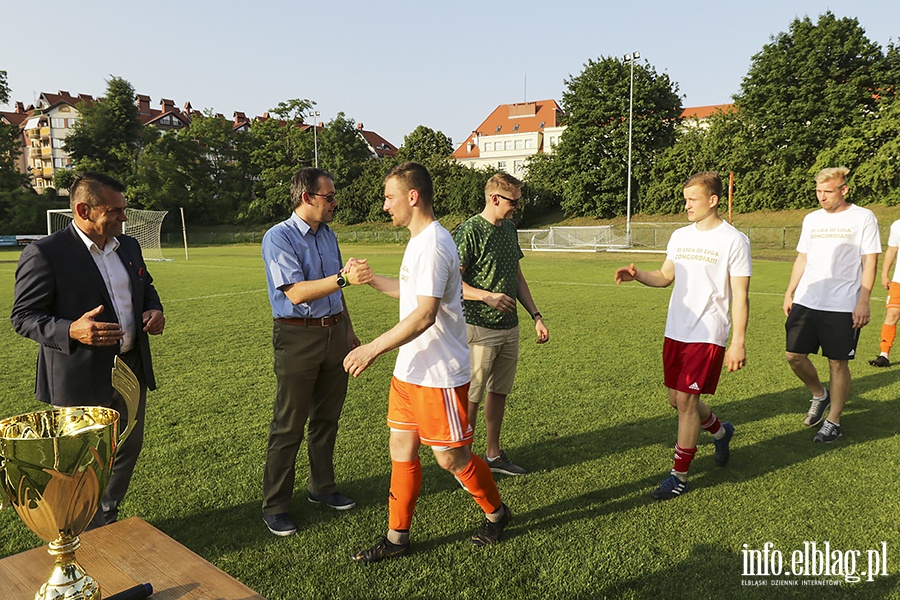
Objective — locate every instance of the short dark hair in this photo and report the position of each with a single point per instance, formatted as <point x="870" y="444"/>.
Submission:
<point x="88" y="188"/>
<point x="306" y="180"/>
<point x="414" y="176"/>
<point x="709" y="180"/>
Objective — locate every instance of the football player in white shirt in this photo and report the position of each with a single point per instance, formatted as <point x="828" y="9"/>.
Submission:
<point x="709" y="262"/>
<point x="429" y="388"/>
<point x="827" y="298"/>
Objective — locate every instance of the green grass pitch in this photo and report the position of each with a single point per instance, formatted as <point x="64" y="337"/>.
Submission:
<point x="588" y="417"/>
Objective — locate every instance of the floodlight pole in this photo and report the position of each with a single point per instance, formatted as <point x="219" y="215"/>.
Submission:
<point x="630" y="58"/>
<point x="315" y="116"/>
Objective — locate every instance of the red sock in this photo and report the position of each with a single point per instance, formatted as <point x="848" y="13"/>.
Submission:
<point x="406" y="481"/>
<point x="888" y="333"/>
<point x="479" y="481"/>
<point x="712" y="424"/>
<point x="683" y="458"/>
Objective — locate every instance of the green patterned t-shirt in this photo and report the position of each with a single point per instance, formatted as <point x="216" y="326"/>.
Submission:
<point x="489" y="256"/>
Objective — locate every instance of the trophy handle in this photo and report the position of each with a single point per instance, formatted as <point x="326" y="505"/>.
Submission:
<point x="5" y="500"/>
<point x="125" y="382"/>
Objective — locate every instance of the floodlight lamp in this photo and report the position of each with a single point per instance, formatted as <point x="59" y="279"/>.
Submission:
<point x="637" y="55"/>
<point x="627" y="57"/>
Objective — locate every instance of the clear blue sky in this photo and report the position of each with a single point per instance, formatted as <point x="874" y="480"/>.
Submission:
<point x="392" y="65"/>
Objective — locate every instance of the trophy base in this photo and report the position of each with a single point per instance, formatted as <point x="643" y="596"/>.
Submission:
<point x="69" y="582"/>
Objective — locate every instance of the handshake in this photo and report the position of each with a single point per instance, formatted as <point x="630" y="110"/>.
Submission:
<point x="357" y="271"/>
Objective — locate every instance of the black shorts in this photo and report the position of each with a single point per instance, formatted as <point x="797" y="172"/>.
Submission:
<point x="808" y="329"/>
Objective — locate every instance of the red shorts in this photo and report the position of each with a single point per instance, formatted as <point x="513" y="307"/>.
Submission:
<point x="438" y="415"/>
<point x="693" y="368"/>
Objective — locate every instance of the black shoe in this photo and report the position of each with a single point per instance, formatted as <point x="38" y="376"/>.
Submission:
<point x="380" y="551"/>
<point x="723" y="452"/>
<point x="671" y="487"/>
<point x="829" y="432"/>
<point x="880" y="361"/>
<point x="280" y="524"/>
<point x="490" y="533"/>
<point x="335" y="500"/>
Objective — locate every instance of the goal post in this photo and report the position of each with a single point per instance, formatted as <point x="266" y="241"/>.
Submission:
<point x="143" y="225"/>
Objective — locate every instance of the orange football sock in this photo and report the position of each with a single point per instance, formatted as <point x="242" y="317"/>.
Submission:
<point x="888" y="333"/>
<point x="479" y="481"/>
<point x="406" y="481"/>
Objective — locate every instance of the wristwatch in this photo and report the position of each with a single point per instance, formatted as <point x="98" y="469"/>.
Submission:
<point x="536" y="314"/>
<point x="342" y="281"/>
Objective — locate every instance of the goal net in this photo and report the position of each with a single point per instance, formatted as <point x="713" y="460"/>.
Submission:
<point x="143" y="225"/>
<point x="569" y="239"/>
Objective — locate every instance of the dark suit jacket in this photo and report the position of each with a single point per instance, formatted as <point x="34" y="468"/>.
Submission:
<point x="57" y="281"/>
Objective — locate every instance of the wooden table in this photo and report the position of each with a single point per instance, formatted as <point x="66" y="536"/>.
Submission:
<point x="125" y="554"/>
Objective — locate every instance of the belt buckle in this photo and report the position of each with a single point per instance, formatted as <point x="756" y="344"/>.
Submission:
<point x="322" y="322"/>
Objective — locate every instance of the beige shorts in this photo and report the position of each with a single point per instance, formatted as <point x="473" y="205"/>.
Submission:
<point x="494" y="354"/>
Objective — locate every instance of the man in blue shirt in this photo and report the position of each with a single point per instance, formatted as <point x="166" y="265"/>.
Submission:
<point x="311" y="336"/>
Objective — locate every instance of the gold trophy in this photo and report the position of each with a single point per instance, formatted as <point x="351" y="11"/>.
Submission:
<point x="54" y="467"/>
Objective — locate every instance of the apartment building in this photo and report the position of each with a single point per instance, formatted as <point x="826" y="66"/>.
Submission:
<point x="510" y="134"/>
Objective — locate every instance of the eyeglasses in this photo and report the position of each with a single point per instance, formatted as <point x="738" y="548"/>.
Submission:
<point x="514" y="202"/>
<point x="331" y="198"/>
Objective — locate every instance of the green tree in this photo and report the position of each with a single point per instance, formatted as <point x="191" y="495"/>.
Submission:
<point x="342" y="152"/>
<point x="422" y="143"/>
<point x="221" y="185"/>
<point x="10" y="147"/>
<point x="108" y="136"/>
<point x="802" y="89"/>
<point x="592" y="157"/>
<point x="279" y="147"/>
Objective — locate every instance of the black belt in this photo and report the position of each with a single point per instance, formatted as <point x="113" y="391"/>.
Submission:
<point x="329" y="321"/>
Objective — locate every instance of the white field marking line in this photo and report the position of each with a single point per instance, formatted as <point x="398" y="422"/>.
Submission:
<point x="649" y="287"/>
<point x="259" y="291"/>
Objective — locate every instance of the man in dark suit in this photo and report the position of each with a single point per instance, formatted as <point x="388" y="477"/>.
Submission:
<point x="85" y="295"/>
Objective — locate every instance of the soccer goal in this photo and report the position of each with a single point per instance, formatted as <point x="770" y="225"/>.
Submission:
<point x="569" y="239"/>
<point x="143" y="225"/>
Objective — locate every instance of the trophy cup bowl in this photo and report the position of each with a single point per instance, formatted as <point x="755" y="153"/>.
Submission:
<point x="54" y="468"/>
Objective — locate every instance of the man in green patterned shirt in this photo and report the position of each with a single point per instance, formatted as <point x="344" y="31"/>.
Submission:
<point x="489" y="256"/>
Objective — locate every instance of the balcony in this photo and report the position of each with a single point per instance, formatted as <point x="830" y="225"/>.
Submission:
<point x="46" y="151"/>
<point x="34" y="133"/>
<point x="37" y="171"/>
<point x="45" y="132"/>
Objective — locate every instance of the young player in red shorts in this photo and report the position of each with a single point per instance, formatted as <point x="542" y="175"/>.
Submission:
<point x="429" y="389"/>
<point x="709" y="262"/>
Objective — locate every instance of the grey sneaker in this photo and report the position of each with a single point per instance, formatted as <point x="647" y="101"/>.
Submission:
<point x="280" y="524"/>
<point x="829" y="432"/>
<point x="817" y="410"/>
<point x="502" y="464"/>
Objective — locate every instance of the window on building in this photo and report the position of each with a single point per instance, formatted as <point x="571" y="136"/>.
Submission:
<point x="520" y="144"/>
<point x="63" y="108"/>
<point x="58" y="142"/>
<point x="498" y="128"/>
<point x="488" y="146"/>
<point x="71" y="122"/>
<point x="59" y="163"/>
<point x="518" y="167"/>
<point x="552" y="142"/>
<point x="58" y="123"/>
<point x="542" y="124"/>
<point x="529" y="144"/>
<point x="165" y="120"/>
<point x="501" y="165"/>
<point x="507" y="145"/>
<point x="516" y="127"/>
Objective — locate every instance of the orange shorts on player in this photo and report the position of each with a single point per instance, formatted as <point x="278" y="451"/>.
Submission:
<point x="437" y="414"/>
<point x="693" y="368"/>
